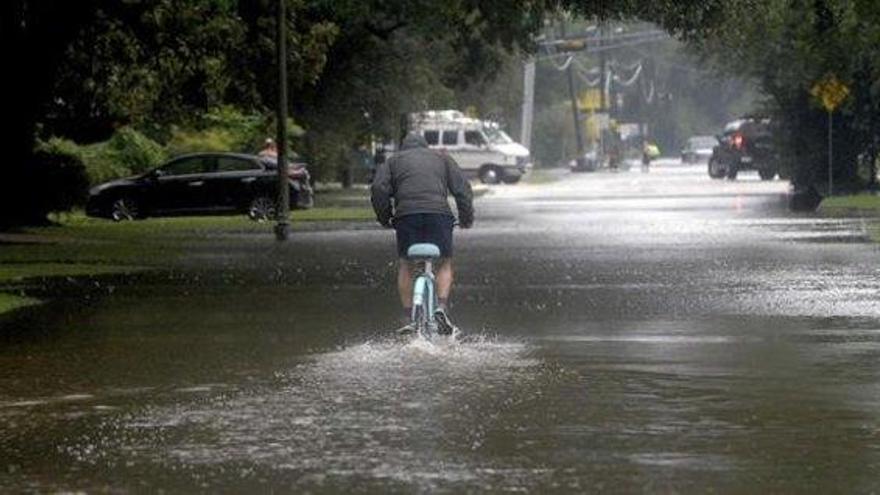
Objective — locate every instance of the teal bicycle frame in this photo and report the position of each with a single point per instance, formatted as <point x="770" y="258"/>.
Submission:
<point x="424" y="299"/>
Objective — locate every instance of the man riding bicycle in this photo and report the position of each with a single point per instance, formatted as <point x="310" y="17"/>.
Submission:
<point x="410" y="193"/>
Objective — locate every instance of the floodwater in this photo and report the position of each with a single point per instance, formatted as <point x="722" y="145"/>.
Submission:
<point x="628" y="332"/>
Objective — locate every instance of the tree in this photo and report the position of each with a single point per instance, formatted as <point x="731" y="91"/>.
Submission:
<point x="33" y="35"/>
<point x="85" y="67"/>
<point x="789" y="45"/>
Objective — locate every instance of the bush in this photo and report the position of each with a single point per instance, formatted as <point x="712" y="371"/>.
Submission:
<point x="127" y="152"/>
<point x="227" y="129"/>
<point x="135" y="150"/>
<point x="100" y="164"/>
<point x="192" y="141"/>
<point x="59" y="181"/>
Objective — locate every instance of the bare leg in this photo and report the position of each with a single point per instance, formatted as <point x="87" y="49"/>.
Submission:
<point x="444" y="278"/>
<point x="405" y="283"/>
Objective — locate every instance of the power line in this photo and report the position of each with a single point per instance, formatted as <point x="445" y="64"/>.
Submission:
<point x="602" y="49"/>
<point x="676" y="66"/>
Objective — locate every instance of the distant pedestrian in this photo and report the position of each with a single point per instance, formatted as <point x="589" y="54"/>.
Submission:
<point x="270" y="150"/>
<point x="649" y="152"/>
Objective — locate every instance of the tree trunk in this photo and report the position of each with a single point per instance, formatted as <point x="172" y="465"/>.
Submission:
<point x="34" y="35"/>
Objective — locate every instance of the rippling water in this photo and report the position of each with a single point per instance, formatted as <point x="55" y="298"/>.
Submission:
<point x="410" y="413"/>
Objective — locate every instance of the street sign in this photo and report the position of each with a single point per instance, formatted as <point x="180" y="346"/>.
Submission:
<point x="830" y="92"/>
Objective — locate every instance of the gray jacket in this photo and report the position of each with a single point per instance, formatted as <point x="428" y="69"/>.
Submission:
<point x="420" y="180"/>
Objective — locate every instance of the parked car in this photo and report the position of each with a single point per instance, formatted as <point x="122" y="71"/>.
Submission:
<point x="698" y="149"/>
<point x="201" y="183"/>
<point x="745" y="144"/>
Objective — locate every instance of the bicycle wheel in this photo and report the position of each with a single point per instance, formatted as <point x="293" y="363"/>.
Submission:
<point x="423" y="317"/>
<point x="421" y="323"/>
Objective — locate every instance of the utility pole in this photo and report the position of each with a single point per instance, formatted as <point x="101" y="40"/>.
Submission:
<point x="643" y="102"/>
<point x="528" y="104"/>
<point x="282" y="228"/>
<point x="574" y="105"/>
<point x="603" y="71"/>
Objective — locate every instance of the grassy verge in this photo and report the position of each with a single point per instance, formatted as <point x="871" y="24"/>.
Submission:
<point x="8" y="302"/>
<point x="542" y="176"/>
<point x="83" y="246"/>
<point x="336" y="197"/>
<point x="16" y="271"/>
<point x="859" y="205"/>
<point x="868" y="204"/>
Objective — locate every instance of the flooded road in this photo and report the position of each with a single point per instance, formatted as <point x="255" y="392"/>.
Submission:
<point x="630" y="332"/>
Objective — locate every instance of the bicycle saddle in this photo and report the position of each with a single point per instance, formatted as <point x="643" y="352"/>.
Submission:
<point x="423" y="250"/>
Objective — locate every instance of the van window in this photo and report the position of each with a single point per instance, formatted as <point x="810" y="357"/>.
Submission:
<point x="474" y="138"/>
<point x="432" y="137"/>
<point x="450" y="138"/>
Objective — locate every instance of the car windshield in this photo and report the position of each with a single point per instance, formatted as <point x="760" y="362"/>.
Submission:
<point x="496" y="135"/>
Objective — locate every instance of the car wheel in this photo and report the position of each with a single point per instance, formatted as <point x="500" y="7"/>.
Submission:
<point x="489" y="175"/>
<point x="731" y="173"/>
<point x="124" y="208"/>
<point x="767" y="174"/>
<point x="261" y="209"/>
<point x="716" y="170"/>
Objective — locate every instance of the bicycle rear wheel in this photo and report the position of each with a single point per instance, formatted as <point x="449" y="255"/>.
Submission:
<point x="424" y="304"/>
<point x="422" y="321"/>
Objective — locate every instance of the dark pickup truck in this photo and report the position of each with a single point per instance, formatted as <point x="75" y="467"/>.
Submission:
<point x="745" y="144"/>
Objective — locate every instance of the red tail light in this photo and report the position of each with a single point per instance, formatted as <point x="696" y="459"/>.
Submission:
<point x="738" y="141"/>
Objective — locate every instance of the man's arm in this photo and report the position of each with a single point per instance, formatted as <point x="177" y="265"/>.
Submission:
<point x="381" y="192"/>
<point x="461" y="191"/>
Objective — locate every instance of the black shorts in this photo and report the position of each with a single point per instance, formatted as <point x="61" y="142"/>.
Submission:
<point x="434" y="228"/>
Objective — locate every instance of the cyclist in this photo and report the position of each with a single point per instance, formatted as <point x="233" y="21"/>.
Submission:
<point x="410" y="193"/>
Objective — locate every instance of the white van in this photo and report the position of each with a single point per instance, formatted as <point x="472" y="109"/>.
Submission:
<point x="479" y="147"/>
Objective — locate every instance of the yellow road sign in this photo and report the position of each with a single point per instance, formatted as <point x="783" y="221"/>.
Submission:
<point x="830" y="92"/>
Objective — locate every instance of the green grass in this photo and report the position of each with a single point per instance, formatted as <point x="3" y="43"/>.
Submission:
<point x="11" y="272"/>
<point x="541" y="176"/>
<point x="867" y="203"/>
<point x="196" y="224"/>
<point x="83" y="246"/>
<point x="862" y="205"/>
<point x="9" y="302"/>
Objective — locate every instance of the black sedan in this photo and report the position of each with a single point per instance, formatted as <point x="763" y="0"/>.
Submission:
<point x="201" y="183"/>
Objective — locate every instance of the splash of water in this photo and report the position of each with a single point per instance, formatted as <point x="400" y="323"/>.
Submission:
<point x="391" y="410"/>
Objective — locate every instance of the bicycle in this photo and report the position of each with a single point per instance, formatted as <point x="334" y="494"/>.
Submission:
<point x="424" y="297"/>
